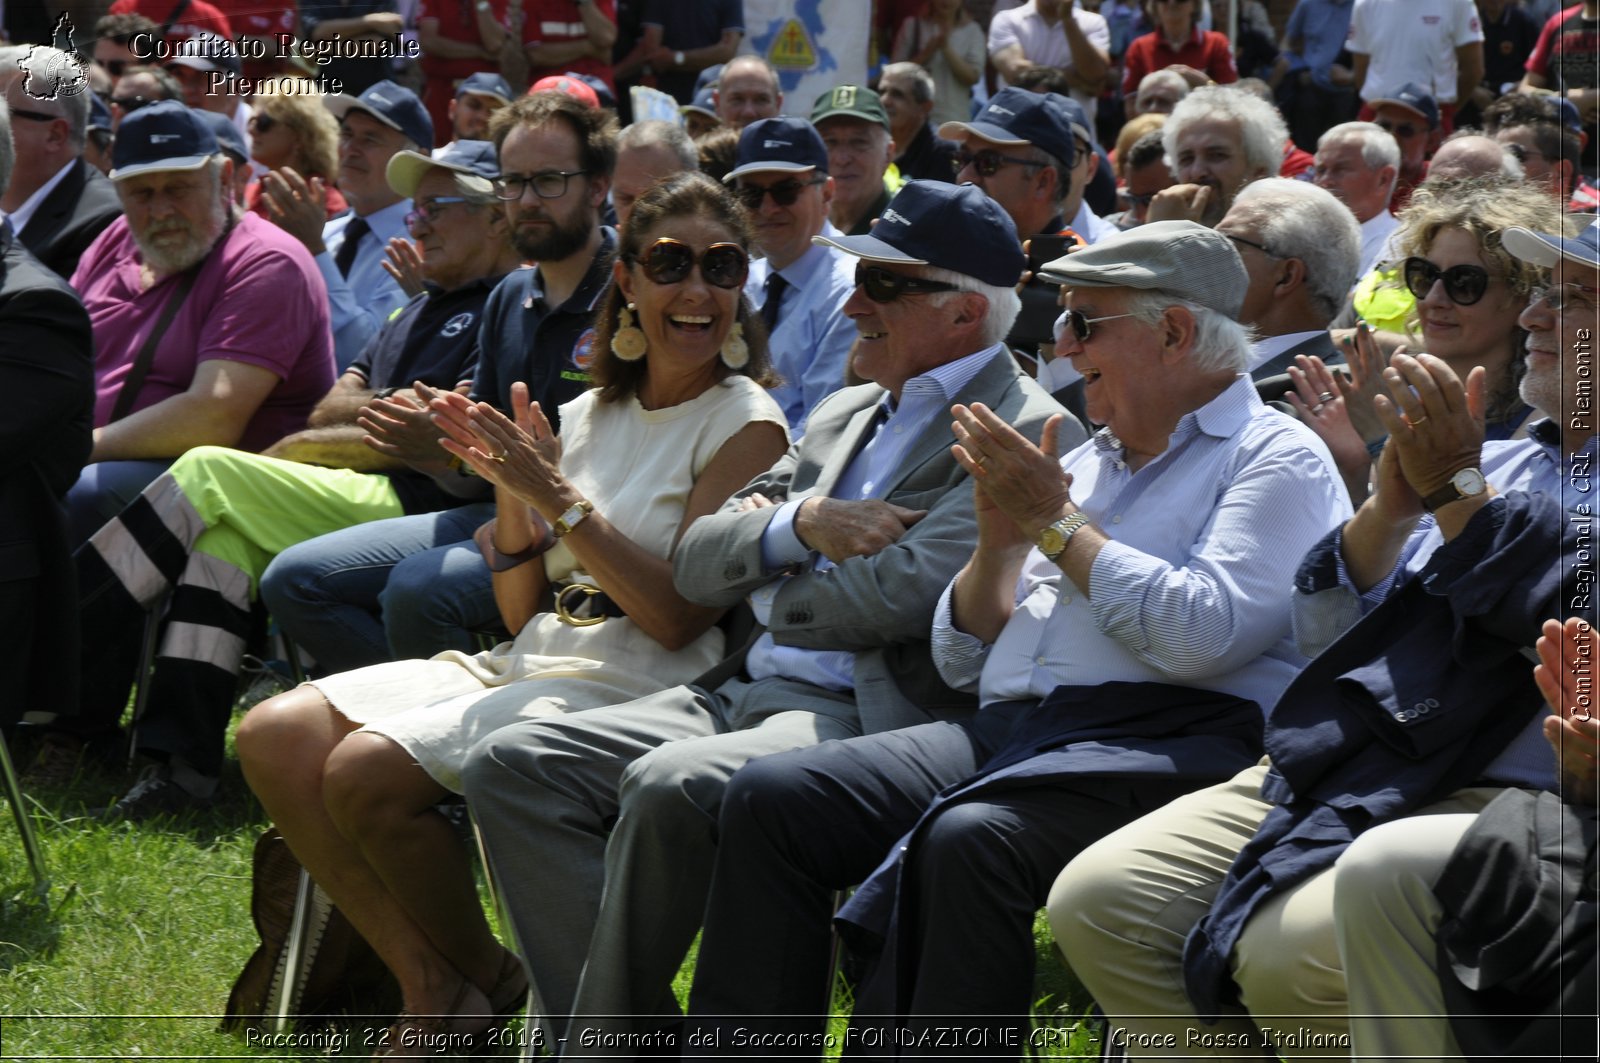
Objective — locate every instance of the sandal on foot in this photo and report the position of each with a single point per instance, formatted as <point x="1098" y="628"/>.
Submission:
<point x="432" y="1036"/>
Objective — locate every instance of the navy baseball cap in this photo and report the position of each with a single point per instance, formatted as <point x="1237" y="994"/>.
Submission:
<point x="160" y="137"/>
<point x="1014" y="117"/>
<point x="783" y="144"/>
<point x="99" y="113"/>
<point x="708" y="77"/>
<point x="705" y="102"/>
<point x="1416" y="99"/>
<point x="203" y="50"/>
<point x="394" y="105"/>
<point x="471" y="158"/>
<point x="485" y="84"/>
<point x="935" y="223"/>
<point x="1546" y="249"/>
<point x="602" y="91"/>
<point x="229" y="139"/>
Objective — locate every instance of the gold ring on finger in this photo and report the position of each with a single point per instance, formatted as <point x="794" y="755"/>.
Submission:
<point x="1410" y="423"/>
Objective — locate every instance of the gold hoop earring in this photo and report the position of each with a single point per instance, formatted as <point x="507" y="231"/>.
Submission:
<point x="628" y="342"/>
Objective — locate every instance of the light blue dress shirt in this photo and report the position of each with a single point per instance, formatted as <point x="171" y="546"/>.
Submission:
<point x="359" y="304"/>
<point x="812" y="341"/>
<point x="923" y="400"/>
<point x="1193" y="588"/>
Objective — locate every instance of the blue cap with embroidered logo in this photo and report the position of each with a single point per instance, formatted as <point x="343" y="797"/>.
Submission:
<point x="1014" y="117"/>
<point x="485" y="84"/>
<point x="1414" y="98"/>
<point x="161" y="136"/>
<point x="1546" y="249"/>
<point x="783" y="144"/>
<point x="394" y="105"/>
<point x="935" y="223"/>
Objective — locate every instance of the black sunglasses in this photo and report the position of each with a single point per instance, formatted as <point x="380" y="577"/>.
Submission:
<point x="883" y="286"/>
<point x="987" y="163"/>
<point x="129" y="104"/>
<point x="262" y="123"/>
<point x="1404" y="130"/>
<point x="1080" y="324"/>
<point x="35" y="116"/>
<point x="1463" y="285"/>
<point x="784" y="193"/>
<point x="114" y="67"/>
<point x="669" y="261"/>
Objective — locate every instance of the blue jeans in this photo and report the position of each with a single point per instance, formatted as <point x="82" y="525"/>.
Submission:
<point x="394" y="589"/>
<point x="103" y="490"/>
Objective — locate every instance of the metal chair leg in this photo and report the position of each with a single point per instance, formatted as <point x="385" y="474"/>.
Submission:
<point x="30" y="841"/>
<point x="311" y="908"/>
<point x="141" y="678"/>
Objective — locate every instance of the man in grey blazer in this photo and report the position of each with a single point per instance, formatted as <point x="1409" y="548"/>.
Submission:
<point x="600" y="826"/>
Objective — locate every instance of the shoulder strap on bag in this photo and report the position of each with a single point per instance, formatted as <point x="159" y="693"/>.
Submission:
<point x="147" y="353"/>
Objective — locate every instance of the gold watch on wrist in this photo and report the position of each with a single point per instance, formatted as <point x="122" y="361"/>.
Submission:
<point x="1464" y="483"/>
<point x="572" y="517"/>
<point x="1052" y="542"/>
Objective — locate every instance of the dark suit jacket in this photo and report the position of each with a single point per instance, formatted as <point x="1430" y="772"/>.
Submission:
<point x="1272" y="378"/>
<point x="47" y="372"/>
<point x="879" y="607"/>
<point x="75" y="212"/>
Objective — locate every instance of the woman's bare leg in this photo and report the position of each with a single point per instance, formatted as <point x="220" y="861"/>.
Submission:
<point x="382" y="802"/>
<point x="284" y="744"/>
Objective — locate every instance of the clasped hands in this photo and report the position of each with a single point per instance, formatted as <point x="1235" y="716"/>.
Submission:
<point x="1435" y="424"/>
<point x="1019" y="489"/>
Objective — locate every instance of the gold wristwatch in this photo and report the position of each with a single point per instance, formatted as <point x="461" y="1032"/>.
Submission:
<point x="1052" y="542"/>
<point x="572" y="517"/>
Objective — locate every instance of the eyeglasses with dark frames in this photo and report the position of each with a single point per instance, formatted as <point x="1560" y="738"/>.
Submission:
<point x="885" y="286"/>
<point x="262" y="123"/>
<point x="546" y="184"/>
<point x="35" y="116"/>
<point x="784" y="193"/>
<point x="1263" y="248"/>
<point x="668" y="261"/>
<point x="1463" y="284"/>
<point x="1080" y="324"/>
<point x="987" y="163"/>
<point x="1401" y="130"/>
<point x="428" y="210"/>
<point x="129" y="104"/>
<point x="1522" y="154"/>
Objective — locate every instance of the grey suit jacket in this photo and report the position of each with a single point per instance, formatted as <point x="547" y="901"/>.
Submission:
<point x="879" y="607"/>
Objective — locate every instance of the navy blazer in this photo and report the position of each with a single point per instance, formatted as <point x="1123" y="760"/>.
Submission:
<point x="75" y="212"/>
<point x="1408" y="706"/>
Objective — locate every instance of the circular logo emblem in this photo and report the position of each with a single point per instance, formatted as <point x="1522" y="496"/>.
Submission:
<point x="583" y="350"/>
<point x="456" y="325"/>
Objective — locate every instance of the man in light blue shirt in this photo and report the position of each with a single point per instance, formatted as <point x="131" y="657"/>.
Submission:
<point x="799" y="287"/>
<point x="1123" y="620"/>
<point x="350" y="249"/>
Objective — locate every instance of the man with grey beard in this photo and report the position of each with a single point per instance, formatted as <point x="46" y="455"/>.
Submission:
<point x="211" y="327"/>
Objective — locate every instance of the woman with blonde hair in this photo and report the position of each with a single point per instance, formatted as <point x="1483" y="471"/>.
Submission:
<point x="1469" y="292"/>
<point x="350" y="766"/>
<point x="290" y="128"/>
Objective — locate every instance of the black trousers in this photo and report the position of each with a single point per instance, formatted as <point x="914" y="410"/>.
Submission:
<point x="795" y="827"/>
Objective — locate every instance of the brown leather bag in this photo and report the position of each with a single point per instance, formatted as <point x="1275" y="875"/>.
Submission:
<point x="339" y="974"/>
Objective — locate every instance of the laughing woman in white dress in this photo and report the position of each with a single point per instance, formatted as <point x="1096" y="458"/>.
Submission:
<point x="350" y="766"/>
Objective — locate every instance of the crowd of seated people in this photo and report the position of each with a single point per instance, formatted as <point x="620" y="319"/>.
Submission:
<point x="893" y="490"/>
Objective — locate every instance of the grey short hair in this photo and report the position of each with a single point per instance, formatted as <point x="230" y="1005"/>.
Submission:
<point x="1378" y="146"/>
<point x="1300" y="220"/>
<point x="74" y="107"/>
<point x="1220" y="342"/>
<point x="656" y="133"/>
<point x="1163" y="79"/>
<point x="1004" y="302"/>
<point x="8" y="152"/>
<point x="1260" y="125"/>
<point x="922" y="86"/>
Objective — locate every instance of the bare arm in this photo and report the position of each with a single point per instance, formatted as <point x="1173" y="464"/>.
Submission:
<point x="1358" y="73"/>
<point x="335" y="446"/>
<point x="1010" y="62"/>
<point x="435" y="44"/>
<point x="340" y="405"/>
<point x="649" y="41"/>
<point x="1089" y="62"/>
<point x="214" y="411"/>
<point x="377" y="24"/>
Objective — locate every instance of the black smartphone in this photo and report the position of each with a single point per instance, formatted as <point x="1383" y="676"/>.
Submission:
<point x="1043" y="249"/>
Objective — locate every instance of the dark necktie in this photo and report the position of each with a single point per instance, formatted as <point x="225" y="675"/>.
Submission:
<point x="776" y="286"/>
<point x="346" y="255"/>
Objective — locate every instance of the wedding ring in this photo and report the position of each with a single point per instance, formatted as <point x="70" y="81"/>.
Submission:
<point x="1326" y="396"/>
<point x="1412" y="424"/>
<point x="499" y="459"/>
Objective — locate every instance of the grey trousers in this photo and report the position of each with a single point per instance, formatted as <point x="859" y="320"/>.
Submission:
<point x="601" y="830"/>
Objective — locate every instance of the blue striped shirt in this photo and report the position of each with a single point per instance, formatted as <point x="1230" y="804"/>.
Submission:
<point x="1193" y="589"/>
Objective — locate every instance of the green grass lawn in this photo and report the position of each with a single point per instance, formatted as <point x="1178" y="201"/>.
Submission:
<point x="147" y="926"/>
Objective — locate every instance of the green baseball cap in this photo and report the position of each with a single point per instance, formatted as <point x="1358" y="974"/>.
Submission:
<point x="851" y="101"/>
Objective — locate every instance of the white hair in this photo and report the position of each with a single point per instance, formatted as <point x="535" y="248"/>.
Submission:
<point x="8" y="153"/>
<point x="655" y="133"/>
<point x="74" y="107"/>
<point x="1261" y="128"/>
<point x="1163" y="79"/>
<point x="1378" y="146"/>
<point x="1004" y="302"/>
<point x="1300" y="220"/>
<point x="1220" y="342"/>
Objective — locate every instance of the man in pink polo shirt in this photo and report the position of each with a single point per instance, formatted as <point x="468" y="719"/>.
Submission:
<point x="210" y="327"/>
